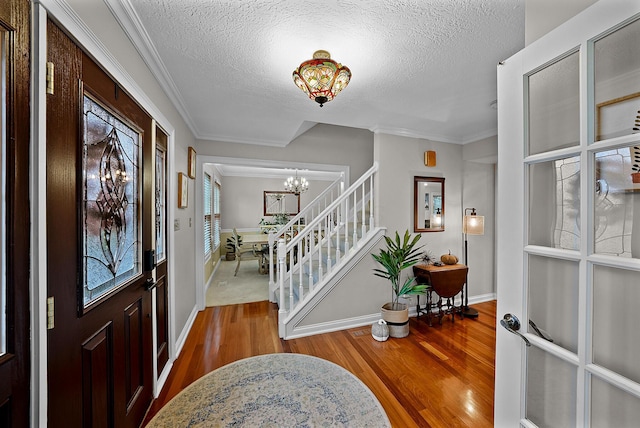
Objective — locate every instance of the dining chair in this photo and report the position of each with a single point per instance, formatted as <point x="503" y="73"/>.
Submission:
<point x="240" y="252"/>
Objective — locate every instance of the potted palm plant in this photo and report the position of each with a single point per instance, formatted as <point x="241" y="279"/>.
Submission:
<point x="399" y="254"/>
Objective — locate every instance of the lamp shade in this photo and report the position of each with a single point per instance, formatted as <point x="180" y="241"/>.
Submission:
<point x="321" y="78"/>
<point x="473" y="225"/>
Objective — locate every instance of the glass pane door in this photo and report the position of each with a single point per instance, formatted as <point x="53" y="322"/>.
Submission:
<point x="569" y="247"/>
<point x="564" y="265"/>
<point x="554" y="242"/>
<point x="612" y="369"/>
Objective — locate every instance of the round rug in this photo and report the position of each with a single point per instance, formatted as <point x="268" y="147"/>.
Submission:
<point x="275" y="390"/>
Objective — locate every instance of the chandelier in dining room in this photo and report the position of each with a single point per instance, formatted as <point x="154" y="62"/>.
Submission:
<point x="296" y="184"/>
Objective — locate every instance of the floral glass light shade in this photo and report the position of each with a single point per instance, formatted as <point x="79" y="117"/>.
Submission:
<point x="321" y="78"/>
<point x="296" y="184"/>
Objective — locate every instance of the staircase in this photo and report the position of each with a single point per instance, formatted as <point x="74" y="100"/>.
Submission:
<point x="315" y="247"/>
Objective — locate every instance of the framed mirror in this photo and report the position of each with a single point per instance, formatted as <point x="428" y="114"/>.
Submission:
<point x="279" y="202"/>
<point x="428" y="204"/>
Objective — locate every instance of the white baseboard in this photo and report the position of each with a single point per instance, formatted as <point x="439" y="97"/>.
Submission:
<point x="213" y="274"/>
<point x="482" y="298"/>
<point x="182" y="338"/>
<point x="347" y="323"/>
<point x="330" y="326"/>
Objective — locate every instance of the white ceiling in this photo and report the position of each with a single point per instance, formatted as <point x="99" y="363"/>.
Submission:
<point x="421" y="68"/>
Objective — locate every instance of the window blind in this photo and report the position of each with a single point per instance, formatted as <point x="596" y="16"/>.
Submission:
<point x="216" y="215"/>
<point x="207" y="215"/>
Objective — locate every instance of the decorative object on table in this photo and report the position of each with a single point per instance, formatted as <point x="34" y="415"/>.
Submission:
<point x="275" y="390"/>
<point x="472" y="224"/>
<point x="380" y="330"/>
<point x="428" y="204"/>
<point x="183" y="190"/>
<point x="321" y="78"/>
<point x="296" y="185"/>
<point x="273" y="225"/>
<point x="191" y="167"/>
<point x="449" y="259"/>
<point x="399" y="254"/>
<point x="427" y="258"/>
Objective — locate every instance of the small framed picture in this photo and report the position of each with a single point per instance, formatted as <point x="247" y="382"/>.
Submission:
<point x="183" y="190"/>
<point x="618" y="117"/>
<point x="192" y="163"/>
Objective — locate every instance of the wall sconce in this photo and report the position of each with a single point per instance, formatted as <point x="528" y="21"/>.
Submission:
<point x="430" y="158"/>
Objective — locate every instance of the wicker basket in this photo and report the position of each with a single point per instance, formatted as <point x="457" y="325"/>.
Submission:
<point x="397" y="319"/>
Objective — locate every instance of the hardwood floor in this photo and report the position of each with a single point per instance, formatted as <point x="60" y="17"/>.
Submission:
<point x="440" y="376"/>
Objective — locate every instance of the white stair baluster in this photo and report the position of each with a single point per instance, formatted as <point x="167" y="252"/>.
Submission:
<point x="281" y="268"/>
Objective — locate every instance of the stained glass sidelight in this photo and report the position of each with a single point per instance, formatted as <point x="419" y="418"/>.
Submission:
<point x="160" y="198"/>
<point x="110" y="210"/>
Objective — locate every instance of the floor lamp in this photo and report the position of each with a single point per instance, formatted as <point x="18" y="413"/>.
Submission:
<point x="472" y="224"/>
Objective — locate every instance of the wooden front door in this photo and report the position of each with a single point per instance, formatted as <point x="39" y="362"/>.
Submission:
<point x="100" y="216"/>
<point x="14" y="213"/>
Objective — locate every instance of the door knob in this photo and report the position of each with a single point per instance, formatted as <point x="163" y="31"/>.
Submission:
<point x="512" y="324"/>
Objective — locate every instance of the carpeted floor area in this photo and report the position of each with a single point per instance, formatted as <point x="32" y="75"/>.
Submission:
<point x="248" y="286"/>
<point x="275" y="390"/>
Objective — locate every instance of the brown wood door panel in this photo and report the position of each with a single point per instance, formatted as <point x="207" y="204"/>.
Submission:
<point x="97" y="375"/>
<point x="102" y="354"/>
<point x="134" y="370"/>
<point x="15" y="365"/>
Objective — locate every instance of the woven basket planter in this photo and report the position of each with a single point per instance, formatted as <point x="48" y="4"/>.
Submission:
<point x="397" y="318"/>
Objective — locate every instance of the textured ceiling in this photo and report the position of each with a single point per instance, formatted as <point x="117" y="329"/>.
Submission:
<point x="421" y="68"/>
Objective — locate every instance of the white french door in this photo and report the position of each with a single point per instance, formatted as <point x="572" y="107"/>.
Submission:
<point x="569" y="216"/>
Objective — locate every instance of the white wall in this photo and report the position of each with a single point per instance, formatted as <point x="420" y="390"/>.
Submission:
<point x="542" y="16"/>
<point x="322" y="144"/>
<point x="241" y="199"/>
<point x="479" y="193"/>
<point x="402" y="158"/>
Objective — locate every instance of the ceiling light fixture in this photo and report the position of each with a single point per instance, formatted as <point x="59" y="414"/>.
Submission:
<point x="296" y="184"/>
<point x="321" y="78"/>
